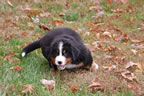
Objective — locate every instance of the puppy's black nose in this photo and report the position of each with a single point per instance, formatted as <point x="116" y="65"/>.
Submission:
<point x="59" y="62"/>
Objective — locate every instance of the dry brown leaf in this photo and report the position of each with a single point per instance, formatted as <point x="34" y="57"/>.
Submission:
<point x="139" y="46"/>
<point x="129" y="76"/>
<point x="115" y="36"/>
<point x="12" y="54"/>
<point x="109" y="2"/>
<point x="99" y="14"/>
<point x="27" y="88"/>
<point x="9" y="3"/>
<point x="11" y="59"/>
<point x="74" y="88"/>
<point x="97" y="45"/>
<point x="111" y="48"/>
<point x="110" y="67"/>
<point x="67" y="4"/>
<point x="108" y="34"/>
<point x="61" y="14"/>
<point x="123" y="38"/>
<point x="95" y="86"/>
<point x="124" y="1"/>
<point x="30" y="11"/>
<point x="91" y="24"/>
<point x="117" y="10"/>
<point x="16" y="68"/>
<point x="36" y="19"/>
<point x="97" y="8"/>
<point x="7" y="20"/>
<point x="23" y="34"/>
<point x="138" y="41"/>
<point x="134" y="51"/>
<point x="44" y="27"/>
<point x="132" y="67"/>
<point x="49" y="84"/>
<point x="58" y="22"/>
<point x="45" y="14"/>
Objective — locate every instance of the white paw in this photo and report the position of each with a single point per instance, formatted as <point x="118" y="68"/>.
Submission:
<point x="94" y="67"/>
<point x="23" y="54"/>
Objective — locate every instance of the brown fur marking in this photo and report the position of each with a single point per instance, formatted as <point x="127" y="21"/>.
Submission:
<point x="68" y="60"/>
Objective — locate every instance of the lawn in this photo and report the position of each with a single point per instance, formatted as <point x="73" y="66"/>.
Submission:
<point x="112" y="29"/>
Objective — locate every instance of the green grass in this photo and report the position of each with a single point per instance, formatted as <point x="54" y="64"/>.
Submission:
<point x="77" y="15"/>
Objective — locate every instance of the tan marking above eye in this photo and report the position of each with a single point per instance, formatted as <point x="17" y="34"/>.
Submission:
<point x="64" y="51"/>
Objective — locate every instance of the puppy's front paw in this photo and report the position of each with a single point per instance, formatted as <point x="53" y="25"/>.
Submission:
<point x="94" y="67"/>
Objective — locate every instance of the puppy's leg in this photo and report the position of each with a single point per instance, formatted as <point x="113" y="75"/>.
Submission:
<point x="71" y="66"/>
<point x="88" y="59"/>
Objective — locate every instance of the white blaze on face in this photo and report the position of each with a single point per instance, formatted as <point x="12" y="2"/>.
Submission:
<point x="60" y="60"/>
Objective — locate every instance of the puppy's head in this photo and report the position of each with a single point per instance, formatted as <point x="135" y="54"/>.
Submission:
<point x="63" y="53"/>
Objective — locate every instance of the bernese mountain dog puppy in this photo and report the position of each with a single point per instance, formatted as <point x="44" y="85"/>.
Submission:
<point x="63" y="48"/>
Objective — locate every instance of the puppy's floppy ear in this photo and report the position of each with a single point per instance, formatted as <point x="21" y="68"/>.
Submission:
<point x="48" y="52"/>
<point x="75" y="52"/>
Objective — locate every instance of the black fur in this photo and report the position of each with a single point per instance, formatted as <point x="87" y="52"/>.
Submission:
<point x="79" y="52"/>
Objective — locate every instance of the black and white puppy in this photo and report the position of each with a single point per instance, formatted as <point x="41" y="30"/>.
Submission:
<point x="63" y="48"/>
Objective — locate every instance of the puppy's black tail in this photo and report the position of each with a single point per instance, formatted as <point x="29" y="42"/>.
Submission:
<point x="31" y="47"/>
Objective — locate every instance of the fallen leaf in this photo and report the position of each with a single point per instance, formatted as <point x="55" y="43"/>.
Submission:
<point x="118" y="10"/>
<point x="16" y="68"/>
<point x="36" y="19"/>
<point x="124" y="1"/>
<point x="108" y="34"/>
<point x="123" y="38"/>
<point x="30" y="11"/>
<point x="111" y="48"/>
<point x="97" y="45"/>
<point x="90" y="24"/>
<point x="129" y="76"/>
<point x="137" y="41"/>
<point x="9" y="3"/>
<point x="99" y="14"/>
<point x="49" y="84"/>
<point x="132" y="67"/>
<point x="44" y="27"/>
<point x="23" y="34"/>
<point x="61" y="14"/>
<point x="74" y="88"/>
<point x="122" y="53"/>
<point x="45" y="14"/>
<point x="27" y="88"/>
<point x="95" y="86"/>
<point x="12" y="54"/>
<point x="97" y="8"/>
<point x="58" y="22"/>
<point x="139" y="46"/>
<point x="110" y="67"/>
<point x="27" y="10"/>
<point x="7" y="20"/>
<point x="134" y="51"/>
<point x="67" y="4"/>
<point x="109" y="2"/>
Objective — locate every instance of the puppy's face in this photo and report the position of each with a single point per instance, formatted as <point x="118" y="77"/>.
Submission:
<point x="61" y="55"/>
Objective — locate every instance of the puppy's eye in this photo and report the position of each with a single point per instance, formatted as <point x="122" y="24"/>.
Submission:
<point x="64" y="51"/>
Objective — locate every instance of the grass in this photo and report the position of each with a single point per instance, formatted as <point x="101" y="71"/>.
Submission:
<point x="15" y="21"/>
